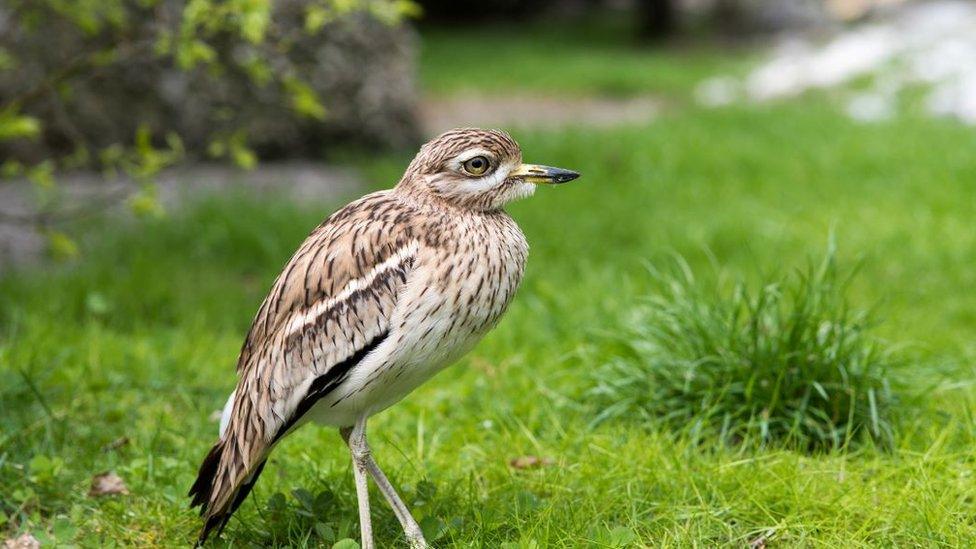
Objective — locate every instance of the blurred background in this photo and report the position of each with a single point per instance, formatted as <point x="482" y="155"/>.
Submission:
<point x="780" y="190"/>
<point x="113" y="101"/>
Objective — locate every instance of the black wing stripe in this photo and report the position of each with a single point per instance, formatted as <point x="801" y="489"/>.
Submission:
<point x="327" y="382"/>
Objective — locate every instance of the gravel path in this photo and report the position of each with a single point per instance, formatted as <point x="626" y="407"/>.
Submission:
<point x="528" y="111"/>
<point x="300" y="180"/>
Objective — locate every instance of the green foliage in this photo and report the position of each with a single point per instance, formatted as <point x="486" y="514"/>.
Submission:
<point x="233" y="146"/>
<point x="138" y="338"/>
<point x="61" y="246"/>
<point x="303" y="98"/>
<point x="204" y="28"/>
<point x="215" y="38"/>
<point x="790" y="362"/>
<point x="14" y="126"/>
<point x="145" y="202"/>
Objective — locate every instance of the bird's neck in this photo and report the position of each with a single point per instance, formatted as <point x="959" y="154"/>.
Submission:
<point x="422" y="197"/>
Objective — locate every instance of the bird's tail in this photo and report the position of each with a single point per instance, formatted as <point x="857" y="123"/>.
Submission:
<point x="222" y="484"/>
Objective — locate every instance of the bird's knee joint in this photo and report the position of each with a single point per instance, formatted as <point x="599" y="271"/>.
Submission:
<point x="360" y="451"/>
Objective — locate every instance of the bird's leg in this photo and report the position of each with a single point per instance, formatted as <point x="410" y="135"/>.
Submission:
<point x="356" y="439"/>
<point x="415" y="537"/>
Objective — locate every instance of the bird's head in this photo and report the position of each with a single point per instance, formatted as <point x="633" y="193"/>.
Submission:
<point x="476" y="169"/>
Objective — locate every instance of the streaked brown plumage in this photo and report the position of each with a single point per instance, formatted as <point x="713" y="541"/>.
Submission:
<point x="382" y="295"/>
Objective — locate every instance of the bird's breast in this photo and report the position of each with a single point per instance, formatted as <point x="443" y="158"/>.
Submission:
<point x="460" y="291"/>
<point x="478" y="275"/>
<point x="457" y="292"/>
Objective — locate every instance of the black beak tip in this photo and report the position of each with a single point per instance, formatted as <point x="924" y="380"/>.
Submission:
<point x="563" y="176"/>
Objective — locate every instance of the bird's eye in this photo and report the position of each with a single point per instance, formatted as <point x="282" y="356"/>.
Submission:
<point x="476" y="166"/>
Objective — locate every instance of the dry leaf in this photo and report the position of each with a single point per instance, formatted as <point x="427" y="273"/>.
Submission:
<point x="25" y="541"/>
<point x="531" y="462"/>
<point x="116" y="444"/>
<point x="107" y="484"/>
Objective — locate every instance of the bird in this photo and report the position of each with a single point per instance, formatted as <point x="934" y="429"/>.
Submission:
<point x="386" y="292"/>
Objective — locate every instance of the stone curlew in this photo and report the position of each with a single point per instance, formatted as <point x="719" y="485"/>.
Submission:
<point x="386" y="292"/>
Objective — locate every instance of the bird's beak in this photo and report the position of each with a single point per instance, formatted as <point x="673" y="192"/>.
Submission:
<point x="543" y="175"/>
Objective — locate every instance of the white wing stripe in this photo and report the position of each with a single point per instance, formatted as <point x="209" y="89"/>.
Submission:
<point x="225" y="414"/>
<point x="303" y="318"/>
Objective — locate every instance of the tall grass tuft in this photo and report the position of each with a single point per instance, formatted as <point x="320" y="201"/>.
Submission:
<point x="789" y="363"/>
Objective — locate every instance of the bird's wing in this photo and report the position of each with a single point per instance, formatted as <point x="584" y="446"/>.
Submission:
<point x="327" y="310"/>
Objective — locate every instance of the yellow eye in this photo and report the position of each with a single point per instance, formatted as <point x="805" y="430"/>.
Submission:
<point x="477" y="165"/>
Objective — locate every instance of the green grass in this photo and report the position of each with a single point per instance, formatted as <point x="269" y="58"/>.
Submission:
<point x="789" y="362"/>
<point x="570" y="57"/>
<point x="138" y="340"/>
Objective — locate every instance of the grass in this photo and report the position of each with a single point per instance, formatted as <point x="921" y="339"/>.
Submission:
<point x="789" y="362"/>
<point x="571" y="57"/>
<point x="138" y="340"/>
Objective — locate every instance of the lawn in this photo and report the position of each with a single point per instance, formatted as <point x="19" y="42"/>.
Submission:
<point x="118" y="361"/>
<point x="600" y="56"/>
